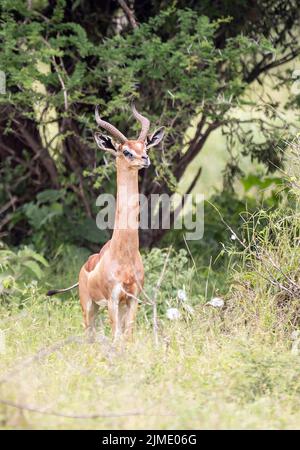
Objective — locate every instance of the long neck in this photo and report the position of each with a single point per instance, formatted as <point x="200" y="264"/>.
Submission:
<point x="125" y="238"/>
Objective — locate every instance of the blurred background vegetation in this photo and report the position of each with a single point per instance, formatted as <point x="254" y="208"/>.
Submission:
<point x="217" y="75"/>
<point x="223" y="78"/>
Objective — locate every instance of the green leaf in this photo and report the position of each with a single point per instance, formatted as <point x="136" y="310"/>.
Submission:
<point x="34" y="267"/>
<point x="49" y="195"/>
<point x="40" y="259"/>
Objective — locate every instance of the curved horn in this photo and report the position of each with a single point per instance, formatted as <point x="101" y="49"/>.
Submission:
<point x="144" y="122"/>
<point x="113" y="131"/>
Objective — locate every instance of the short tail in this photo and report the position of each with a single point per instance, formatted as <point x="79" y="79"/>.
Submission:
<point x="60" y="291"/>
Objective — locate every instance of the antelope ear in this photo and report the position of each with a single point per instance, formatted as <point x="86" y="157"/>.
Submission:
<point x="105" y="143"/>
<point x="156" y="137"/>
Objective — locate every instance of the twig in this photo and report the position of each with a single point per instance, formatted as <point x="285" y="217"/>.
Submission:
<point x="7" y="205"/>
<point x="154" y="301"/>
<point x="129" y="13"/>
<point x="24" y="406"/>
<point x="42" y="353"/>
<point x="64" y="89"/>
<point x="260" y="258"/>
<point x="193" y="183"/>
<point x="14" y="318"/>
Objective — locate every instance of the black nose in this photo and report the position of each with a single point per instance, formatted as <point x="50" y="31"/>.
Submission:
<point x="146" y="161"/>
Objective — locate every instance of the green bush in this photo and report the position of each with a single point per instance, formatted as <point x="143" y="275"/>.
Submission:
<point x="266" y="287"/>
<point x="54" y="220"/>
<point x="20" y="271"/>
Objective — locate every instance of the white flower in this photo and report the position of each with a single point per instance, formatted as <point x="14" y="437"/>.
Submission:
<point x="173" y="314"/>
<point x="217" y="302"/>
<point x="181" y="294"/>
<point x="233" y="237"/>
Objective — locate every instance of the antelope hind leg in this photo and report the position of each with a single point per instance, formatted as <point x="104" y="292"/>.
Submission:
<point x="89" y="309"/>
<point x="132" y="305"/>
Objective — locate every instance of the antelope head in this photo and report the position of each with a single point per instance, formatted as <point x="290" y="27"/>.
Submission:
<point x="134" y="152"/>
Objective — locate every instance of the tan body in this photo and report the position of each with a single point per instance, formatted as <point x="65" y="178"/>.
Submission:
<point x="115" y="275"/>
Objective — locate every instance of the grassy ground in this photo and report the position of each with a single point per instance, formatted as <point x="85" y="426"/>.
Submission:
<point x="235" y="367"/>
<point x="213" y="371"/>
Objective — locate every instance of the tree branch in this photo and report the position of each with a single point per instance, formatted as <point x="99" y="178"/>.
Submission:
<point x="26" y="407"/>
<point x="42" y="153"/>
<point x="259" y="68"/>
<point x="193" y="183"/>
<point x="196" y="145"/>
<point x="129" y="13"/>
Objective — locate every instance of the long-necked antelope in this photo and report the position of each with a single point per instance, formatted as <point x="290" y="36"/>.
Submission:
<point x="115" y="275"/>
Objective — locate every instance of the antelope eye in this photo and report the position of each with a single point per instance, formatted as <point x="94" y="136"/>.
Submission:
<point x="128" y="154"/>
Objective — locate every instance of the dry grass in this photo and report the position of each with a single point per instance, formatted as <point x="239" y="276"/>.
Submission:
<point x="205" y="374"/>
<point x="235" y="367"/>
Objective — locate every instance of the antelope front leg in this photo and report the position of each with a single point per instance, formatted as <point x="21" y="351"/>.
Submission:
<point x="89" y="309"/>
<point x="132" y="305"/>
<point x="113" y="311"/>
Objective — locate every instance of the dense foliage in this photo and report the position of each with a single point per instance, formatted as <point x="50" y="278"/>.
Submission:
<point x="185" y="64"/>
<point x="217" y="336"/>
<point x="230" y="361"/>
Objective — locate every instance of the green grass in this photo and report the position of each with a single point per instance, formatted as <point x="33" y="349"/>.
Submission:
<point x="210" y="372"/>
<point x="231" y="368"/>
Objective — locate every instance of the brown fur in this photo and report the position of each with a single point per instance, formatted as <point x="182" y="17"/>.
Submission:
<point x="116" y="273"/>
